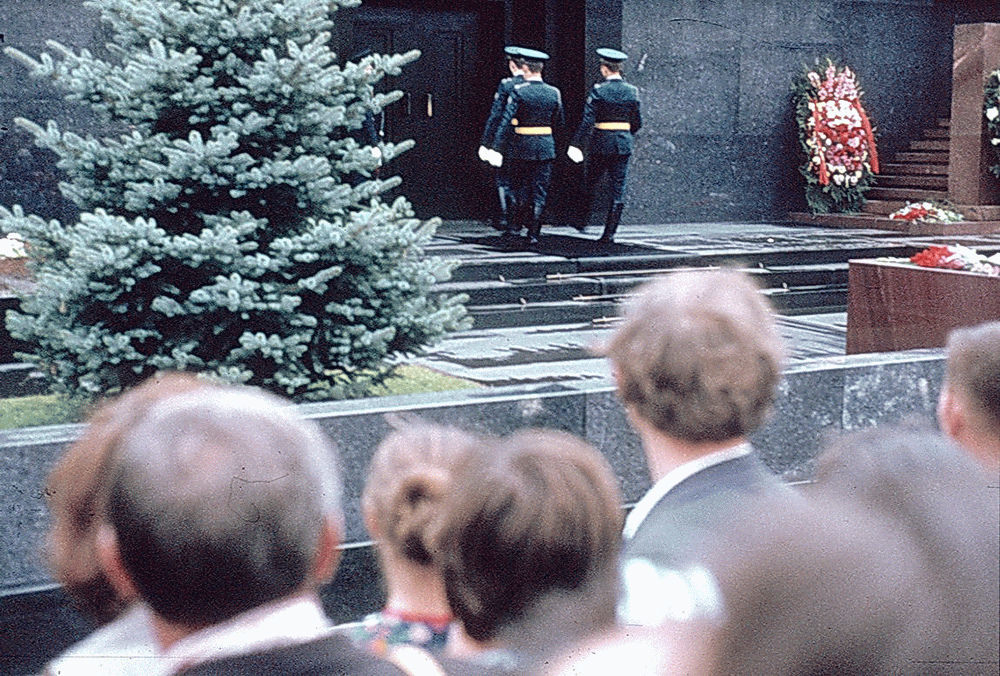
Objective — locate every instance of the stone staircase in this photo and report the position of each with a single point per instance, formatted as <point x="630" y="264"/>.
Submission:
<point x="544" y="290"/>
<point x="917" y="174"/>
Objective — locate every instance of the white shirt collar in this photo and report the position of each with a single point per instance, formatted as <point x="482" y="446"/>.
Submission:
<point x="674" y="477"/>
<point x="289" y="621"/>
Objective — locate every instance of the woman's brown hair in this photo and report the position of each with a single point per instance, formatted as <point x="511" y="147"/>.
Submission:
<point x="409" y="477"/>
<point x="77" y="492"/>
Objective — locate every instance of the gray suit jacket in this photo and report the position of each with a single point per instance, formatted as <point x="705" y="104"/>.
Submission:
<point x="686" y="520"/>
<point x="663" y="562"/>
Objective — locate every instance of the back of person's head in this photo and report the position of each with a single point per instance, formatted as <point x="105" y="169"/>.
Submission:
<point x="698" y="355"/>
<point x="219" y="501"/>
<point x="77" y="491"/>
<point x="816" y="589"/>
<point x="972" y="390"/>
<point x="530" y="540"/>
<point x="409" y="477"/>
<point x="949" y="507"/>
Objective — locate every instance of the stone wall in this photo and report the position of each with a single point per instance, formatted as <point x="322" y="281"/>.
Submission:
<point x="719" y="140"/>
<point x="816" y="398"/>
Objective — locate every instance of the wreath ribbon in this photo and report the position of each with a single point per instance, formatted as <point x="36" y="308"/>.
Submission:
<point x="824" y="176"/>
<point x="869" y="136"/>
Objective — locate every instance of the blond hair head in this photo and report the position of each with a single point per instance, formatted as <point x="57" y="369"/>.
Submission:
<point x="698" y="355"/>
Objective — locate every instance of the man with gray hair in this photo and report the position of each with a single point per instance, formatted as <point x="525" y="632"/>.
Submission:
<point x="969" y="405"/>
<point x="225" y="517"/>
<point x="696" y="361"/>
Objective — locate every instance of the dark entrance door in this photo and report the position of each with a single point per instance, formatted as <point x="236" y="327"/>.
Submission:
<point x="440" y="173"/>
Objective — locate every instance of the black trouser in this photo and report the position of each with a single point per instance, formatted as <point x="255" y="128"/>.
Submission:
<point x="506" y="197"/>
<point x="529" y="181"/>
<point x="616" y="167"/>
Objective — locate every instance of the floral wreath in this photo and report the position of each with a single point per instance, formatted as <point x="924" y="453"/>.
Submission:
<point x="991" y="108"/>
<point x="836" y="137"/>
<point x="927" y="212"/>
<point x="957" y="257"/>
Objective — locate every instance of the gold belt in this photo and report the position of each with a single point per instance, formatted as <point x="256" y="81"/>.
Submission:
<point x="613" y="126"/>
<point x="533" y="131"/>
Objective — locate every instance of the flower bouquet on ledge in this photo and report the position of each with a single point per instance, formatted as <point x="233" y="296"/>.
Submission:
<point x="957" y="257"/>
<point x="991" y="109"/>
<point x="13" y="256"/>
<point x="836" y="138"/>
<point x="927" y="212"/>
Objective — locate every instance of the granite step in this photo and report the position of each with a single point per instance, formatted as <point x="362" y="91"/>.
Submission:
<point x="508" y="271"/>
<point x="601" y="286"/>
<point x="882" y="207"/>
<point x="925" y="157"/>
<point x="914" y="168"/>
<point x="930" y="144"/>
<point x="881" y="222"/>
<point x="912" y="181"/>
<point x="601" y="311"/>
<point x="908" y="194"/>
<point x="938" y="132"/>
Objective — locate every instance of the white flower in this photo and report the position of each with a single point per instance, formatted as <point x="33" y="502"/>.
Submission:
<point x="12" y="246"/>
<point x="838" y="179"/>
<point x="992" y="113"/>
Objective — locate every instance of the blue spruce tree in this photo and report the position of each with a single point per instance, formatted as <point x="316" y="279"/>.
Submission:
<point x="218" y="231"/>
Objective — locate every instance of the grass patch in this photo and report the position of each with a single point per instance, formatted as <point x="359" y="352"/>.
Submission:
<point x="409" y="379"/>
<point x="40" y="409"/>
<point x="54" y="409"/>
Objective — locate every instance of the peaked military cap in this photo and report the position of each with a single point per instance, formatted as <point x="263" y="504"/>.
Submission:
<point x="611" y="55"/>
<point x="514" y="52"/>
<point x="534" y="55"/>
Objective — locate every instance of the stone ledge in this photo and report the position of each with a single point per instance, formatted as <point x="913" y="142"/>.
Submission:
<point x="863" y="220"/>
<point x="816" y="397"/>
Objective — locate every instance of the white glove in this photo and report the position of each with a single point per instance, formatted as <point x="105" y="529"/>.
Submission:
<point x="575" y="154"/>
<point x="496" y="159"/>
<point x="484" y="153"/>
<point x="377" y="153"/>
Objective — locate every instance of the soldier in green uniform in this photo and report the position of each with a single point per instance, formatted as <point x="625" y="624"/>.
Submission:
<point x="610" y="119"/>
<point x="524" y="140"/>
<point x="515" y="65"/>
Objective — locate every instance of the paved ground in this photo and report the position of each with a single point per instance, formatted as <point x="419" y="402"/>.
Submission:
<point x="560" y="353"/>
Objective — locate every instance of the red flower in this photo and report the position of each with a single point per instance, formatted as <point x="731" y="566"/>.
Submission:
<point x="936" y="257"/>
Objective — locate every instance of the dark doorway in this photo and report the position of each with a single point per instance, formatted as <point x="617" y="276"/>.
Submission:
<point x="437" y="109"/>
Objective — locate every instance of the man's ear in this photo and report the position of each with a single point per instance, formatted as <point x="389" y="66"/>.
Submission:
<point x="371" y="524"/>
<point x="951" y="419"/>
<point x="110" y="559"/>
<point x="327" y="552"/>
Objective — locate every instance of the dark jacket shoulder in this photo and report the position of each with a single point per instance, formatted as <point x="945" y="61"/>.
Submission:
<point x="333" y="654"/>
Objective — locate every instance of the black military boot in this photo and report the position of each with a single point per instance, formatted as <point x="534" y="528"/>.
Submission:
<point x="583" y="215"/>
<point x="535" y="225"/>
<point x="501" y="219"/>
<point x="515" y="219"/>
<point x="611" y="224"/>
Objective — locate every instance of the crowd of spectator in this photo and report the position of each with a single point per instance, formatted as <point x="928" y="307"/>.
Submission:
<point x="196" y="523"/>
